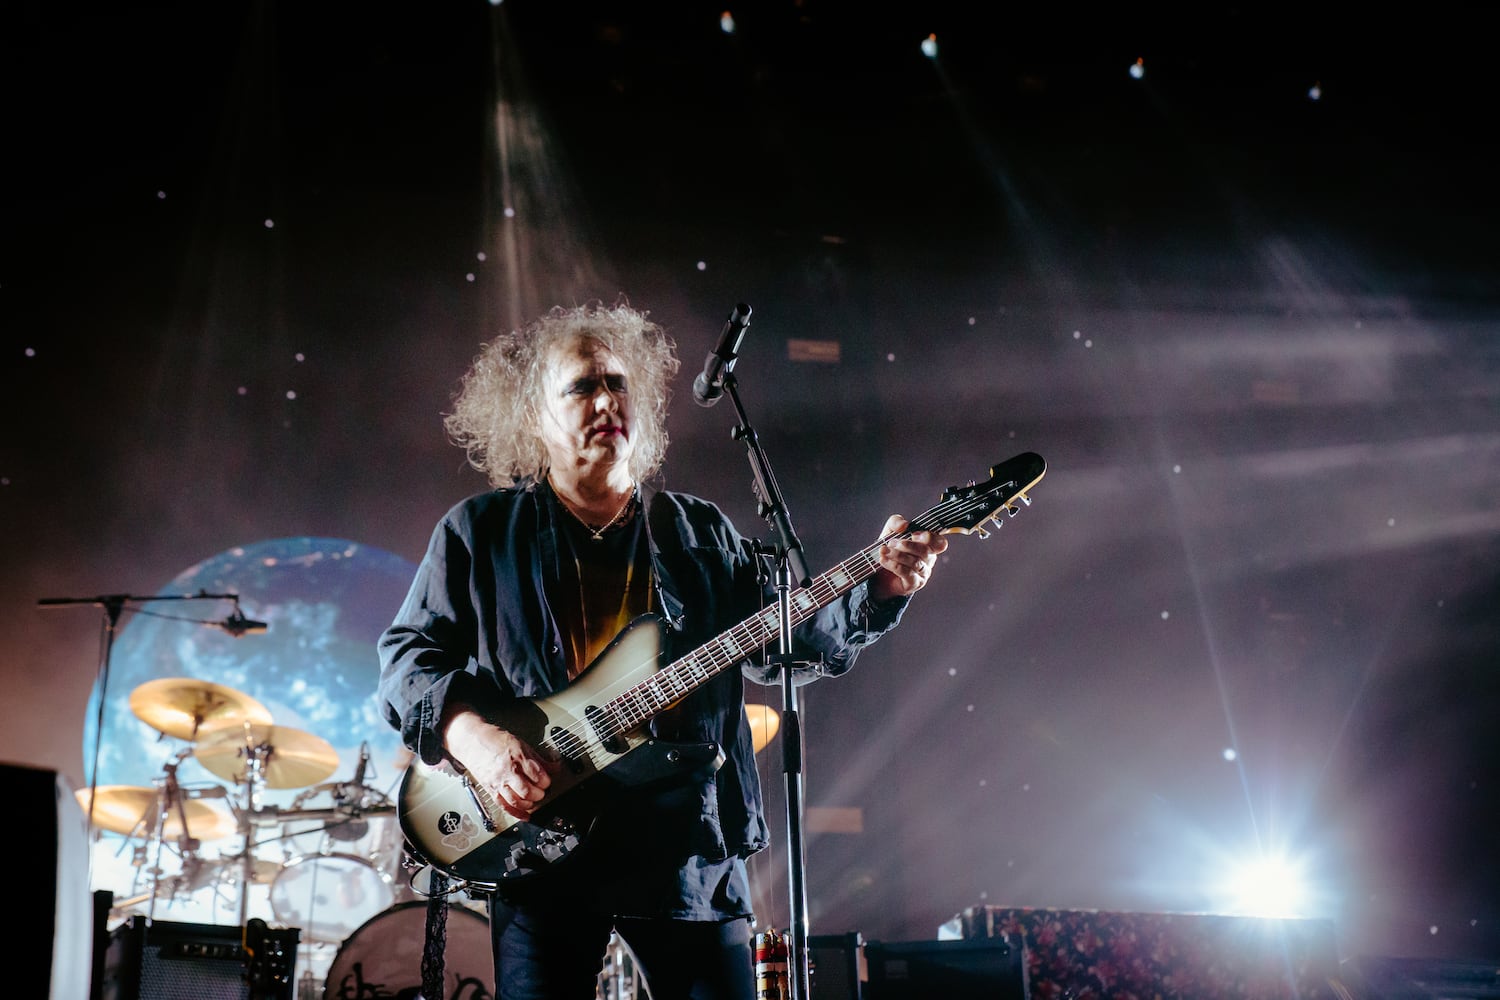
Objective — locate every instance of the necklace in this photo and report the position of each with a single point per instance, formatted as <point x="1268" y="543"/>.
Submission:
<point x="597" y="534"/>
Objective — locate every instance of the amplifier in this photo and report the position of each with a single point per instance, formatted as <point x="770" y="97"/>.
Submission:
<point x="160" y="960"/>
<point x="987" y="969"/>
<point x="836" y="967"/>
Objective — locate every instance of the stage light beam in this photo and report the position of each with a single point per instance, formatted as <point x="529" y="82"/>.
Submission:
<point x="1269" y="886"/>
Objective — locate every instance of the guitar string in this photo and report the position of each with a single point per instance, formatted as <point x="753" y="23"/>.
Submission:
<point x="631" y="702"/>
<point x="713" y="654"/>
<point x="718" y="659"/>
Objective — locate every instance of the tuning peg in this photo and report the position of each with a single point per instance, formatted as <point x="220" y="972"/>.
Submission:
<point x="979" y="530"/>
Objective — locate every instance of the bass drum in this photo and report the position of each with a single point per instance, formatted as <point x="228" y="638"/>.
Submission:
<point x="383" y="958"/>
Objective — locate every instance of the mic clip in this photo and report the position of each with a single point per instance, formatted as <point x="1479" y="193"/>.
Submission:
<point x="237" y="624"/>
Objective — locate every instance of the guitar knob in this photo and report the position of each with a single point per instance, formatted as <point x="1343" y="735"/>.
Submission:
<point x="673" y="757"/>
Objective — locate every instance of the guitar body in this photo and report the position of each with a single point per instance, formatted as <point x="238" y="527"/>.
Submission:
<point x="458" y="829"/>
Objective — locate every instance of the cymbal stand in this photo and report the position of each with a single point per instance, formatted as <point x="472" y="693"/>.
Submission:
<point x="170" y="798"/>
<point x="255" y="782"/>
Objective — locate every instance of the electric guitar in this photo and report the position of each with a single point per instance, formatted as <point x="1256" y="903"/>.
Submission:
<point x="596" y="727"/>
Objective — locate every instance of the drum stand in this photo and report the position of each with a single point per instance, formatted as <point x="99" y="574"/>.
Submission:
<point x="255" y="784"/>
<point x="170" y="799"/>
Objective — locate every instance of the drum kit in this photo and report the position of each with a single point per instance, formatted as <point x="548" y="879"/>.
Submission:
<point x="331" y="862"/>
<point x="326" y="861"/>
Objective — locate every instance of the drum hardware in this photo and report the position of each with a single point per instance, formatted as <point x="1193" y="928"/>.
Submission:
<point x="257" y="756"/>
<point x="334" y="814"/>
<point x="133" y="811"/>
<point x="166" y="813"/>
<point x="341" y="869"/>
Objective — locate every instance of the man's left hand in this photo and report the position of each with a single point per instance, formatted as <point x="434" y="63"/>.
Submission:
<point x="906" y="562"/>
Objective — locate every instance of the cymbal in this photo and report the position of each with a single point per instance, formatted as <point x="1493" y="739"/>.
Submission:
<point x="290" y="758"/>
<point x="132" y="810"/>
<point x="764" y="722"/>
<point x="232" y="869"/>
<point x="185" y="708"/>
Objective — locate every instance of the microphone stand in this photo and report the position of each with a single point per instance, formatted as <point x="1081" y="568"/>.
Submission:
<point x="790" y="566"/>
<point x="113" y="604"/>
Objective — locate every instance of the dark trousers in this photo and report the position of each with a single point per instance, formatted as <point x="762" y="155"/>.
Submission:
<point x="546" y="953"/>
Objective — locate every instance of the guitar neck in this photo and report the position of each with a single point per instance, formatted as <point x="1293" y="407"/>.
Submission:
<point x="676" y="681"/>
<point x="963" y="509"/>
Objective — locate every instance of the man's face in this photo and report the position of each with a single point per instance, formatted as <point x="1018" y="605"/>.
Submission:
<point x="586" y="412"/>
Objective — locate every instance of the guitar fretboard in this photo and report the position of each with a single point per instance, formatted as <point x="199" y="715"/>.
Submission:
<point x="961" y="510"/>
<point x="676" y="681"/>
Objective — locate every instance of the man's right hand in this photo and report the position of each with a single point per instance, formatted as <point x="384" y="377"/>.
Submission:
<point x="507" y="766"/>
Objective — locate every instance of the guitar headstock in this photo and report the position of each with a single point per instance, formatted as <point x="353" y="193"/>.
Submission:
<point x="966" y="509"/>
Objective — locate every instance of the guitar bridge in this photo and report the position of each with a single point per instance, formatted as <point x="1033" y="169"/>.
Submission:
<point x="479" y="805"/>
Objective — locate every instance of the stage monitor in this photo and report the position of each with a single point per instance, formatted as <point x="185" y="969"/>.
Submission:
<point x="54" y="919"/>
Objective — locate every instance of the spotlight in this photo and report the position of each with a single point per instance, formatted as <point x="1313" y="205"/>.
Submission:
<point x="1315" y="92"/>
<point x="726" y="23"/>
<point x="1268" y="886"/>
<point x="1138" y="68"/>
<point x="929" y="46"/>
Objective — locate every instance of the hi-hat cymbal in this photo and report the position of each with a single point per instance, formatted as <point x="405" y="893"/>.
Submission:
<point x="289" y="758"/>
<point x="186" y="708"/>
<point x="132" y="810"/>
<point x="764" y="721"/>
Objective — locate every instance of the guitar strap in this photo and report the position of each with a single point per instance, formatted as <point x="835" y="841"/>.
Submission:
<point x="437" y="937"/>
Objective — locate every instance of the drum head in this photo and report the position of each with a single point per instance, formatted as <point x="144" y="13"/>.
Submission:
<point x="329" y="895"/>
<point x="383" y="958"/>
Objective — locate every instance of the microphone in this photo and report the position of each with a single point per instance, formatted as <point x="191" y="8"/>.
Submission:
<point x="709" y="385"/>
<point x="349" y="801"/>
<point x="237" y="624"/>
<point x="364" y="762"/>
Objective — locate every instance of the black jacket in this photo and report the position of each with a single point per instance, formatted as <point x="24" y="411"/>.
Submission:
<point x="476" y="625"/>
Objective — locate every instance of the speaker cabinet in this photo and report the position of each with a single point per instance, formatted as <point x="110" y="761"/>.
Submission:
<point x="836" y="967"/>
<point x="53" y="937"/>
<point x="991" y="969"/>
<point x="159" y="960"/>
